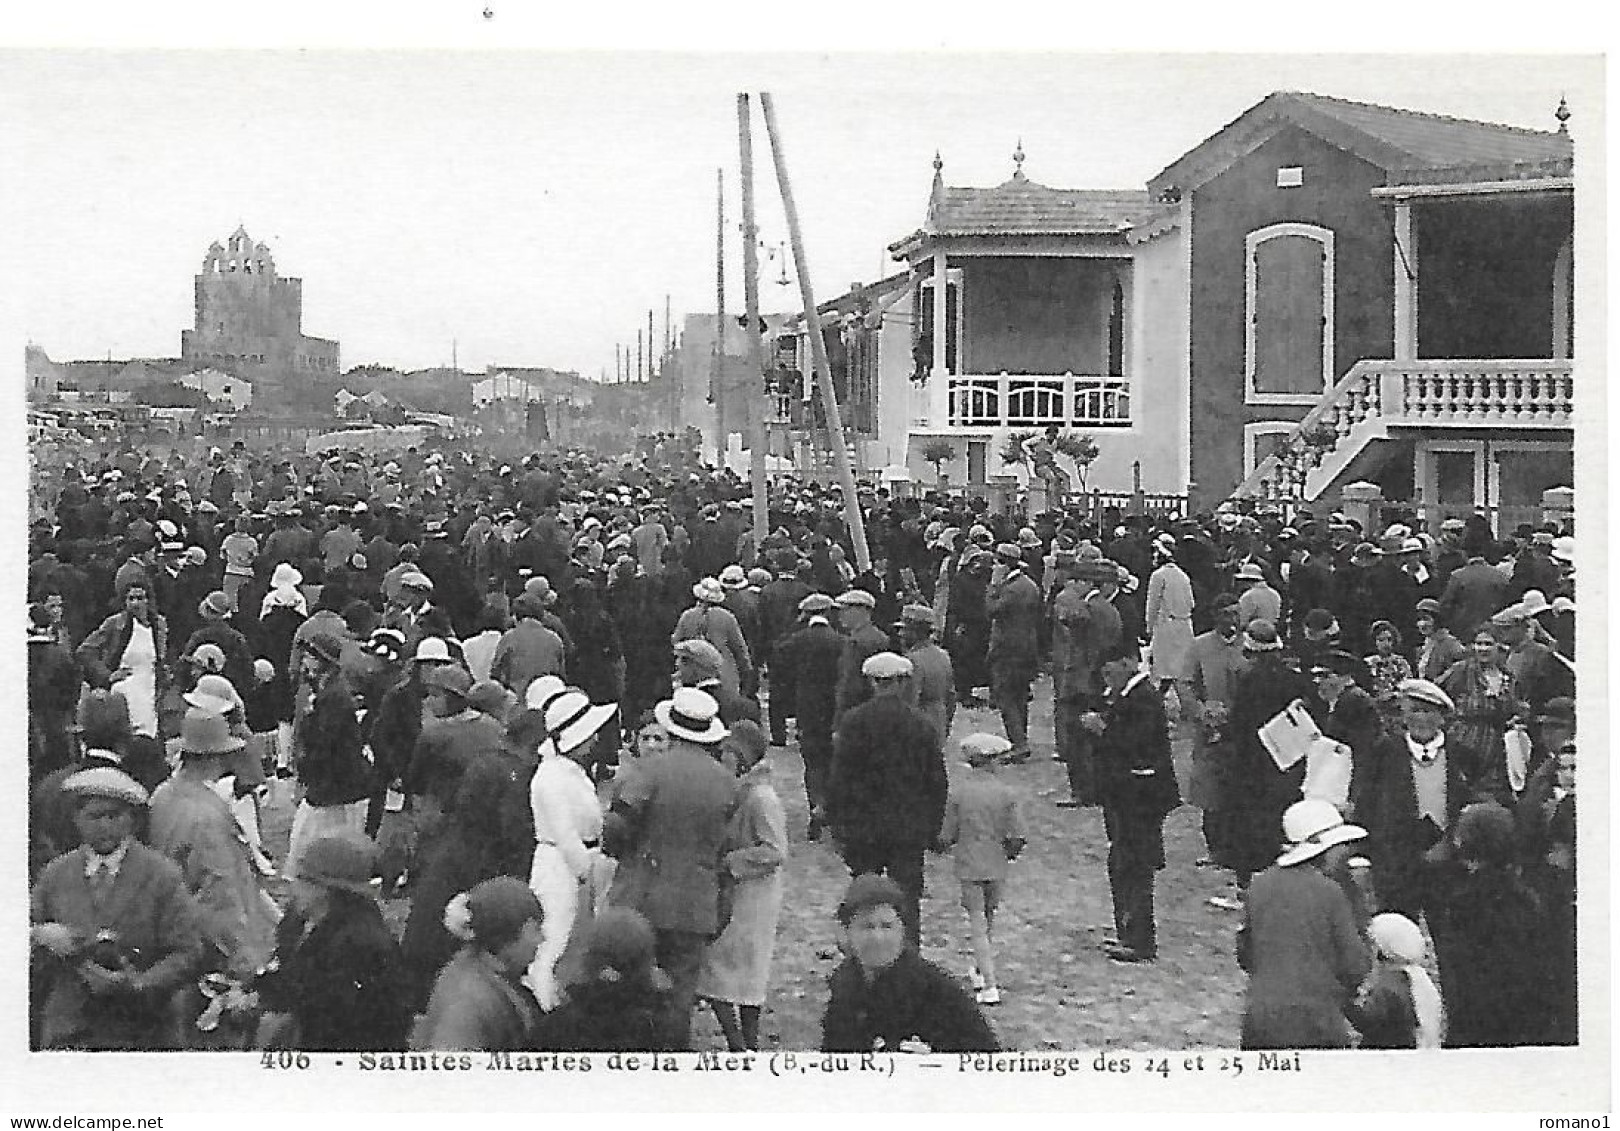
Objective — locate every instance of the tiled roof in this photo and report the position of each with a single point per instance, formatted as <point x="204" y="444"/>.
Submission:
<point x="1021" y="206"/>
<point x="1408" y="142"/>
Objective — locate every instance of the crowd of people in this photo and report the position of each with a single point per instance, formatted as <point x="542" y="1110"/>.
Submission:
<point x="536" y="701"/>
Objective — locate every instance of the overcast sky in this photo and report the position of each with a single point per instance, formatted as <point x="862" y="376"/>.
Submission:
<point x="534" y="206"/>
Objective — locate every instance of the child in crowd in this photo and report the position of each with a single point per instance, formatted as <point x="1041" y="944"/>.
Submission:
<point x="262" y="708"/>
<point x="1398" y="1006"/>
<point x="885" y="997"/>
<point x="984" y="830"/>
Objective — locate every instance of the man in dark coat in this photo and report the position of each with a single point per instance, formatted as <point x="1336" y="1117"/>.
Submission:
<point x="886" y="794"/>
<point x="1310" y="584"/>
<point x="1535" y="568"/>
<point x="1137" y="785"/>
<point x="1472" y="595"/>
<point x="967" y="626"/>
<point x="668" y="830"/>
<point x="778" y="616"/>
<point x="812" y="655"/>
<point x="1086" y="631"/>
<point x="1260" y="792"/>
<point x="1013" y="601"/>
<point x="1420" y="786"/>
<point x="863" y="640"/>
<point x="698" y="664"/>
<point x="1349" y="716"/>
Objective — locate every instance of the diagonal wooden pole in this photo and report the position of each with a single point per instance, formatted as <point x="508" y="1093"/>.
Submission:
<point x="758" y="438"/>
<point x="818" y="346"/>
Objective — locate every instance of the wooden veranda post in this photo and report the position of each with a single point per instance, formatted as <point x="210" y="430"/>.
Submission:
<point x="818" y="346"/>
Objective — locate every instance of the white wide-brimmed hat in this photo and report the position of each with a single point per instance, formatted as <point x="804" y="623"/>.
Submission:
<point x="1311" y="827"/>
<point x="571" y="720"/>
<point x="691" y="714"/>
<point x="540" y="689"/>
<point x="708" y="589"/>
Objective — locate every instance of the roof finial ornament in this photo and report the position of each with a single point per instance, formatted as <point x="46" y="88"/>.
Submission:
<point x="1018" y="161"/>
<point x="1563" y="114"/>
<point x="939" y="162"/>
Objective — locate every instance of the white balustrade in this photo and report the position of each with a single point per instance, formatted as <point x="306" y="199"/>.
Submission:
<point x="1035" y="400"/>
<point x="1376" y="394"/>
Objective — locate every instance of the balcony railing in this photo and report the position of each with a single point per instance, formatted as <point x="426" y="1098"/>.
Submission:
<point x="1019" y="400"/>
<point x="1378" y="395"/>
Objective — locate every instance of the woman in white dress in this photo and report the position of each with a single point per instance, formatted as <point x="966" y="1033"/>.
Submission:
<point x="567" y="832"/>
<point x="124" y="656"/>
<point x="737" y="966"/>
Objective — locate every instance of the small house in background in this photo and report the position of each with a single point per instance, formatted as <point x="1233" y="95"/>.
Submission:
<point x="220" y="388"/>
<point x="1034" y="306"/>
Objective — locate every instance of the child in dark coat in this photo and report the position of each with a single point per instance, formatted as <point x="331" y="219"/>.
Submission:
<point x="621" y="1002"/>
<point x="1398" y="1006"/>
<point x="885" y="996"/>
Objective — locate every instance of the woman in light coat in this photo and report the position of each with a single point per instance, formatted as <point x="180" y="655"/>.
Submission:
<point x="1169" y="615"/>
<point x="710" y="620"/>
<point x="737" y="966"/>
<point x="568" y="861"/>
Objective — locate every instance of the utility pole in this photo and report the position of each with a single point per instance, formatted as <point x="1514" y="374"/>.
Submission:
<point x="718" y="372"/>
<point x="668" y="342"/>
<point x="618" y="364"/>
<point x="638" y="349"/>
<point x="758" y="439"/>
<point x="649" y="345"/>
<point x="818" y="345"/>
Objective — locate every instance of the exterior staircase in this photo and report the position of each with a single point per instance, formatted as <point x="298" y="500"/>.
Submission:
<point x="1379" y="400"/>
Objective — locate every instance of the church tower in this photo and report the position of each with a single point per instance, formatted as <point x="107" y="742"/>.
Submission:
<point x="249" y="318"/>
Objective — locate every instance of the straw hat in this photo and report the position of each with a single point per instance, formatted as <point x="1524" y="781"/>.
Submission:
<point x="571" y="720"/>
<point x="1311" y="827"/>
<point x="709" y="590"/>
<point x="540" y="689"/>
<point x="733" y="577"/>
<point x="691" y="714"/>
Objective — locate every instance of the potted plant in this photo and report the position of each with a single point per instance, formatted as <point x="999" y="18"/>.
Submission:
<point x="938" y="451"/>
